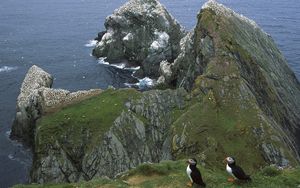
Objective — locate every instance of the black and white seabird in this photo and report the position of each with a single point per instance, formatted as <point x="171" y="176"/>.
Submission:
<point x="194" y="173"/>
<point x="235" y="171"/>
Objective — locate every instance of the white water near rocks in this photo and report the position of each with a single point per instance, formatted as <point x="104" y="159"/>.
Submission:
<point x="58" y="36"/>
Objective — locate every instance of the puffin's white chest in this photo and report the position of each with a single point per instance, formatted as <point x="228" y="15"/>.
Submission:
<point x="229" y="170"/>
<point x="188" y="172"/>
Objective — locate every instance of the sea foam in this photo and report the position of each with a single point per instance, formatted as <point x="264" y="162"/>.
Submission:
<point x="122" y="65"/>
<point x="91" y="43"/>
<point x="143" y="83"/>
<point x="7" y="69"/>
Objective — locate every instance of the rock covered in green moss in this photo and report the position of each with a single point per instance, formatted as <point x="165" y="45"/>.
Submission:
<point x="142" y="32"/>
<point x="235" y="61"/>
<point x="105" y="135"/>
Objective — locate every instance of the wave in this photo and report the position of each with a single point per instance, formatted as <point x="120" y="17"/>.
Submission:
<point x="91" y="43"/>
<point x="123" y="65"/>
<point x="20" y="154"/>
<point x="143" y="83"/>
<point x="102" y="61"/>
<point x="7" y="69"/>
<point x="132" y="68"/>
<point x="14" y="142"/>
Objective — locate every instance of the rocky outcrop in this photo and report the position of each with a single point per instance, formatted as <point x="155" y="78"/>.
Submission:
<point x="37" y="98"/>
<point x="142" y="32"/>
<point x="139" y="134"/>
<point x="226" y="47"/>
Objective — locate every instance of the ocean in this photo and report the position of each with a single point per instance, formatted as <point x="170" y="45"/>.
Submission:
<point x="57" y="36"/>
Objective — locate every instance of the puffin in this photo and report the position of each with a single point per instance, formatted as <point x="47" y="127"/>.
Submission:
<point x="194" y="173"/>
<point x="235" y="171"/>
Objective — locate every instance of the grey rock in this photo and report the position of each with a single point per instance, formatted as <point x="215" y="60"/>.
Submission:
<point x="36" y="98"/>
<point x="28" y="107"/>
<point x="273" y="155"/>
<point x="131" y="141"/>
<point x="225" y="47"/>
<point x="143" y="32"/>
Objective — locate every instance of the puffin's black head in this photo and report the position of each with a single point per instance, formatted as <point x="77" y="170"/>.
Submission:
<point x="230" y="160"/>
<point x="192" y="161"/>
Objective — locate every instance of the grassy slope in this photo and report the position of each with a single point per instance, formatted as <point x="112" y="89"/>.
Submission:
<point x="172" y="174"/>
<point x="82" y="124"/>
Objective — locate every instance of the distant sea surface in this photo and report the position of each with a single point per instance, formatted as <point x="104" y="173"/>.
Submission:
<point x="56" y="34"/>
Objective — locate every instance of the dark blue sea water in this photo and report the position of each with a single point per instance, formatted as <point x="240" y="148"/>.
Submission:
<point x="53" y="35"/>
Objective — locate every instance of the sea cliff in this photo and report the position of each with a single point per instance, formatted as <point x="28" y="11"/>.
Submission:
<point x="223" y="89"/>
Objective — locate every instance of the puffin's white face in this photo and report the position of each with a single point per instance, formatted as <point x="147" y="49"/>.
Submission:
<point x="192" y="161"/>
<point x="229" y="160"/>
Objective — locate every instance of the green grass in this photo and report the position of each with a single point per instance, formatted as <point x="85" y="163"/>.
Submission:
<point x="83" y="123"/>
<point x="172" y="174"/>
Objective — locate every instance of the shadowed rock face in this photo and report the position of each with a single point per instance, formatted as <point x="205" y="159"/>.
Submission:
<point x="142" y="32"/>
<point x="37" y="98"/>
<point x="227" y="47"/>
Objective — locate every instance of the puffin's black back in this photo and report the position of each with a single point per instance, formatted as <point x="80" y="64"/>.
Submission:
<point x="239" y="173"/>
<point x="196" y="176"/>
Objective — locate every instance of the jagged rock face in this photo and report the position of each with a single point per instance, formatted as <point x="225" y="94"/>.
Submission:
<point x="142" y="32"/>
<point x="138" y="134"/>
<point x="36" y="98"/>
<point x="226" y="47"/>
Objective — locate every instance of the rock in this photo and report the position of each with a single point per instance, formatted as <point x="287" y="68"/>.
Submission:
<point x="184" y="69"/>
<point x="272" y="154"/>
<point x="54" y="99"/>
<point x="144" y="33"/>
<point x="37" y="98"/>
<point x="28" y="107"/>
<point x="139" y="134"/>
<point x="226" y="48"/>
<point x="100" y="35"/>
<point x="165" y="70"/>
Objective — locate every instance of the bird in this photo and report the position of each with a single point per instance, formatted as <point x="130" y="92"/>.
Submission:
<point x="194" y="173"/>
<point x="235" y="171"/>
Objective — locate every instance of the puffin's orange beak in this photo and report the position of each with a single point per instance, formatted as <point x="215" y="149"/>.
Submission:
<point x="187" y="161"/>
<point x="225" y="161"/>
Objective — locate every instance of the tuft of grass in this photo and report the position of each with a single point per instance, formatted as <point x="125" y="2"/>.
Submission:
<point x="271" y="171"/>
